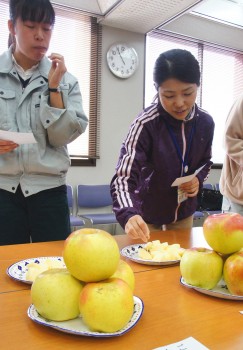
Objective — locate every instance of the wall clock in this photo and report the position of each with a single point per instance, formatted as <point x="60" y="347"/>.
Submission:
<point x="122" y="60"/>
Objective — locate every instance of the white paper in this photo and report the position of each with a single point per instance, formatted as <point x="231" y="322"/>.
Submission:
<point x="186" y="344"/>
<point x="183" y="179"/>
<point x="17" y="137"/>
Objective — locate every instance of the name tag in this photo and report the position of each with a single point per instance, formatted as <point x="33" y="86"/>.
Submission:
<point x="181" y="196"/>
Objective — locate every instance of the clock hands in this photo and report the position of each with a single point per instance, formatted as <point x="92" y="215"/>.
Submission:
<point x="120" y="55"/>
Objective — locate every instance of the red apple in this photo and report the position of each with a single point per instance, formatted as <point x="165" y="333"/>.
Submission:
<point x="201" y="267"/>
<point x="233" y="273"/>
<point x="91" y="255"/>
<point x="224" y="232"/>
<point x="106" y="306"/>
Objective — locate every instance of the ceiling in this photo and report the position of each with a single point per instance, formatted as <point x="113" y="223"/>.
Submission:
<point x="95" y="7"/>
<point x="142" y="16"/>
<point x="228" y="12"/>
<point x="139" y="16"/>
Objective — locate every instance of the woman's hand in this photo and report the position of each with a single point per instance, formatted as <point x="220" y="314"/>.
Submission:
<point x="136" y="228"/>
<point x="191" y="188"/>
<point x="7" y="146"/>
<point x="58" y="69"/>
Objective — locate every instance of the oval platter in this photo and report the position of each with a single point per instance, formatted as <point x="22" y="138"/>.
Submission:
<point x="220" y="291"/>
<point x="77" y="326"/>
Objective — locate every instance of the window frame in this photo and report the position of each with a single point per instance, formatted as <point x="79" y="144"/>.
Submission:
<point x="94" y="115"/>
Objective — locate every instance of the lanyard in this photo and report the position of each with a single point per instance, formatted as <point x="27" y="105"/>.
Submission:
<point x="184" y="161"/>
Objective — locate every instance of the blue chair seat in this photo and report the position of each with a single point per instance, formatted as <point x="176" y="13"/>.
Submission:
<point x="76" y="221"/>
<point x="101" y="219"/>
<point x="198" y="215"/>
<point x="211" y="212"/>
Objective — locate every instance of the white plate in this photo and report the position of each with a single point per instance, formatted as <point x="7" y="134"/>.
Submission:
<point x="18" y="270"/>
<point x="220" y="291"/>
<point x="77" y="326"/>
<point x="131" y="252"/>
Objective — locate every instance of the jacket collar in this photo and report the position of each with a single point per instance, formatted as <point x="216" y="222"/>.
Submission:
<point x="175" y="122"/>
<point x="7" y="66"/>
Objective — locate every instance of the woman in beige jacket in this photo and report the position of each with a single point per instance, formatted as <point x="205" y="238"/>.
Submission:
<point x="231" y="181"/>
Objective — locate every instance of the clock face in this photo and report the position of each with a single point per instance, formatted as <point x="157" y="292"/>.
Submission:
<point x="122" y="60"/>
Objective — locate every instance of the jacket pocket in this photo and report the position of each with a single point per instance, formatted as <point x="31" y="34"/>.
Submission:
<point x="236" y="186"/>
<point x="237" y="177"/>
<point x="7" y="109"/>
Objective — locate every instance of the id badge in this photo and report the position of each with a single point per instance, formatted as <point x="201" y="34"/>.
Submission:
<point x="181" y="195"/>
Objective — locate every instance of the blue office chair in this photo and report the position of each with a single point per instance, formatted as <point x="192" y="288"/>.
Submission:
<point x="200" y="215"/>
<point x="198" y="218"/>
<point x="75" y="221"/>
<point x="93" y="198"/>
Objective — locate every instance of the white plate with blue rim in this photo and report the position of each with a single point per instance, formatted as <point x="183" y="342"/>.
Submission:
<point x="77" y="326"/>
<point x="220" y="291"/>
<point x="18" y="270"/>
<point x="131" y="252"/>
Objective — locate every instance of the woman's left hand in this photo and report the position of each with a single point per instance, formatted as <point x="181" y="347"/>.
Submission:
<point x="58" y="69"/>
<point x="191" y="188"/>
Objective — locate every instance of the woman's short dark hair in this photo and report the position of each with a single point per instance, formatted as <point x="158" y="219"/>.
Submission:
<point x="178" y="64"/>
<point x="40" y="11"/>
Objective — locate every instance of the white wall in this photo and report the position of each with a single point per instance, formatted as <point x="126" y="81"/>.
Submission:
<point x="214" y="176"/>
<point x="121" y="101"/>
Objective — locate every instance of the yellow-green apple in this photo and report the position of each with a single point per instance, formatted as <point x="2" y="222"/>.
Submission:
<point x="201" y="267"/>
<point x="55" y="294"/>
<point x="125" y="272"/>
<point x="233" y="273"/>
<point x="91" y="254"/>
<point x="106" y="306"/>
<point x="224" y="232"/>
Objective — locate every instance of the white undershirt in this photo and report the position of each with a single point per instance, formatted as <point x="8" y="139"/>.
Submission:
<point x="24" y="74"/>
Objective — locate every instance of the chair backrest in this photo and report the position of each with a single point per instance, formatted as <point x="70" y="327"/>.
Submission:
<point x="70" y="197"/>
<point x="94" y="196"/>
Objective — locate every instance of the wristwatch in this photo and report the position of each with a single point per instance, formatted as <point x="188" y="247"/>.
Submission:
<point x="54" y="89"/>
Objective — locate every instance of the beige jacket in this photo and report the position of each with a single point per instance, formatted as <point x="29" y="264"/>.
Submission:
<point x="231" y="181"/>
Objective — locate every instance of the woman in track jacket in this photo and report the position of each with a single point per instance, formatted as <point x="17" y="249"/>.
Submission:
<point x="171" y="138"/>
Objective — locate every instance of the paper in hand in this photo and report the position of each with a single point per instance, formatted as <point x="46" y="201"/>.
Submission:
<point x="17" y="137"/>
<point x="183" y="179"/>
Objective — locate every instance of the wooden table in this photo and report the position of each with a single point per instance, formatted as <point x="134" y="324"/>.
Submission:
<point x="171" y="311"/>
